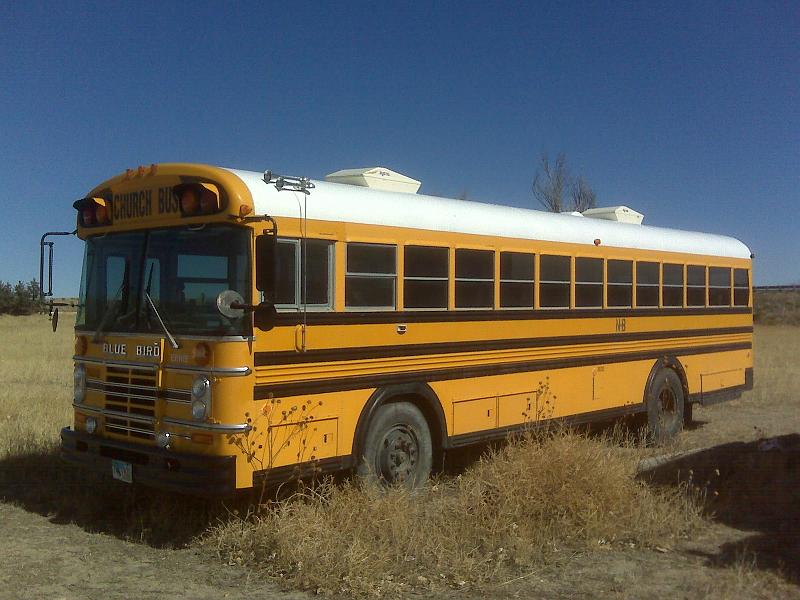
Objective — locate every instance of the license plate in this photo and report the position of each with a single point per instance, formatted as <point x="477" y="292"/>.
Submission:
<point x="122" y="470"/>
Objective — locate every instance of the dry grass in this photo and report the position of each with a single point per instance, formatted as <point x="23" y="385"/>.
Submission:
<point x="35" y="403"/>
<point x="530" y="503"/>
<point x="536" y="504"/>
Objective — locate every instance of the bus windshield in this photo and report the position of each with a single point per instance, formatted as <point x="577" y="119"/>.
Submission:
<point x="183" y="270"/>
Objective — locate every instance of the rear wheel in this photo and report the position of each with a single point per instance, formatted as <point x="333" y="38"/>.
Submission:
<point x="665" y="406"/>
<point x="398" y="448"/>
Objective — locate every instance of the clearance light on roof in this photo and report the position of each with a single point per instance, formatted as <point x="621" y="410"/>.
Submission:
<point x="93" y="212"/>
<point x="197" y="198"/>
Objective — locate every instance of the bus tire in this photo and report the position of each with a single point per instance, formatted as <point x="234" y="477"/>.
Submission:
<point x="665" y="406"/>
<point x="398" y="449"/>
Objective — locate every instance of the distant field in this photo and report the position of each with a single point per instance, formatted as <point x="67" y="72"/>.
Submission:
<point x="555" y="516"/>
<point x="772" y="307"/>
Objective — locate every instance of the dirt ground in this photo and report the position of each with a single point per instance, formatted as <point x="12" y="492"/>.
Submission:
<point x="745" y="454"/>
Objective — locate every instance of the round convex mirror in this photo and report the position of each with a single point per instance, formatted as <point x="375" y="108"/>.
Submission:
<point x="224" y="301"/>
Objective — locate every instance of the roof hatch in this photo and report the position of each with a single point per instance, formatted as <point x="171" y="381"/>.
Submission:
<point x="620" y="214"/>
<point x="376" y="178"/>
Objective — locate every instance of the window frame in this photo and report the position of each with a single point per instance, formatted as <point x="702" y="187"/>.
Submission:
<point x="657" y="285"/>
<point x="501" y="280"/>
<point x="741" y="287"/>
<point x="567" y="282"/>
<point x="445" y="279"/>
<point x="600" y="284"/>
<point x="298" y="306"/>
<point x="393" y="277"/>
<point x="695" y="287"/>
<point x="728" y="287"/>
<point x="682" y="286"/>
<point x="631" y="285"/>
<point x="456" y="279"/>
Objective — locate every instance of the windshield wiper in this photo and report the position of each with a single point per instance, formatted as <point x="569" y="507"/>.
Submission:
<point x="172" y="340"/>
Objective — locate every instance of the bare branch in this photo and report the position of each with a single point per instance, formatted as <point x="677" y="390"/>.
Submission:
<point x="583" y="196"/>
<point x="551" y="182"/>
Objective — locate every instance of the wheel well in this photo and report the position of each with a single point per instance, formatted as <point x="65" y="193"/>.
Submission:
<point x="420" y="395"/>
<point x="667" y="362"/>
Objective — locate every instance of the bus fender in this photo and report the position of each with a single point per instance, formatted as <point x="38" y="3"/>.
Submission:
<point x="667" y="362"/>
<point x="419" y="393"/>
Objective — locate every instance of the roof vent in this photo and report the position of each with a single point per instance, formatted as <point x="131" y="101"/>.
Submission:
<point x="620" y="214"/>
<point x="376" y="178"/>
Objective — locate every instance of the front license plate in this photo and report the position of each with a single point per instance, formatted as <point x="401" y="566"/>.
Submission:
<point x="122" y="470"/>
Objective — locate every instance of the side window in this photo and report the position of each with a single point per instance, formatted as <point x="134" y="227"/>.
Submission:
<point x="741" y="287"/>
<point x="588" y="282"/>
<point x="695" y="285"/>
<point x="620" y="283"/>
<point x="517" y="285"/>
<point x="647" y="284"/>
<point x="371" y="276"/>
<point x="474" y="278"/>
<point x="555" y="273"/>
<point x="425" y="278"/>
<point x="315" y="260"/>
<point x="719" y="286"/>
<point x="672" y="293"/>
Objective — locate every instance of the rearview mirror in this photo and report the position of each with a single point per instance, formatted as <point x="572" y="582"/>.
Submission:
<point x="266" y="246"/>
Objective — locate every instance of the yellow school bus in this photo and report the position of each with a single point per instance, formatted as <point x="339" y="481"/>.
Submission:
<point x="237" y="327"/>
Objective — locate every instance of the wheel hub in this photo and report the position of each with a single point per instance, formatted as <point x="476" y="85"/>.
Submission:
<point x="399" y="455"/>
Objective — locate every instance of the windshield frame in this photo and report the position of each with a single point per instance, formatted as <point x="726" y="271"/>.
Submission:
<point x="224" y="247"/>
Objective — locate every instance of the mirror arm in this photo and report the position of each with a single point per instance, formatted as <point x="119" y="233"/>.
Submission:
<point x="241" y="306"/>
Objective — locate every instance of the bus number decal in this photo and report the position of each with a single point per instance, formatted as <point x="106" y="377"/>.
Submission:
<point x="621" y="324"/>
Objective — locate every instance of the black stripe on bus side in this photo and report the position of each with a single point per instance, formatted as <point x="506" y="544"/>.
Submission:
<point x="447" y="316"/>
<point x="292" y="357"/>
<point x="340" y="384"/>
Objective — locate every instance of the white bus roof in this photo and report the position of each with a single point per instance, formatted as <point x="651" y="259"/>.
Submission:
<point x="347" y="203"/>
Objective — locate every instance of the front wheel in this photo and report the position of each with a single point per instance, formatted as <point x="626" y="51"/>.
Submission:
<point x="665" y="406"/>
<point x="398" y="448"/>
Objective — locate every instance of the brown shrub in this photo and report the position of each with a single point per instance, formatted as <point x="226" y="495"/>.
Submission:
<point x="529" y="503"/>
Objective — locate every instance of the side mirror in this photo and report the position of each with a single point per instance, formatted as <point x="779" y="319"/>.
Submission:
<point x="264" y="316"/>
<point x="266" y="256"/>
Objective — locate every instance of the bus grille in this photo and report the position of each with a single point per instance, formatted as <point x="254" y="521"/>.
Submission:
<point x="131" y="392"/>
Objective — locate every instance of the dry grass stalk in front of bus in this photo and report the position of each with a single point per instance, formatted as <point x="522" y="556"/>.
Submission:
<point x="532" y="502"/>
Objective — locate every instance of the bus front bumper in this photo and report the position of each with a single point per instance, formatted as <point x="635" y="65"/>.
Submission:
<point x="183" y="473"/>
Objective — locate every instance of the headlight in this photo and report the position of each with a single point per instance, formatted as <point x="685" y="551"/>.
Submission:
<point x="201" y="398"/>
<point x="79" y="377"/>
<point x="163" y="439"/>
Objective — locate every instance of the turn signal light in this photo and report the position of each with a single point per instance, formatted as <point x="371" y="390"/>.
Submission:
<point x="198" y="198"/>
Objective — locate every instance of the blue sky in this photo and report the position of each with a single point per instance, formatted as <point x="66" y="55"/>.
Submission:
<point x="685" y="112"/>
